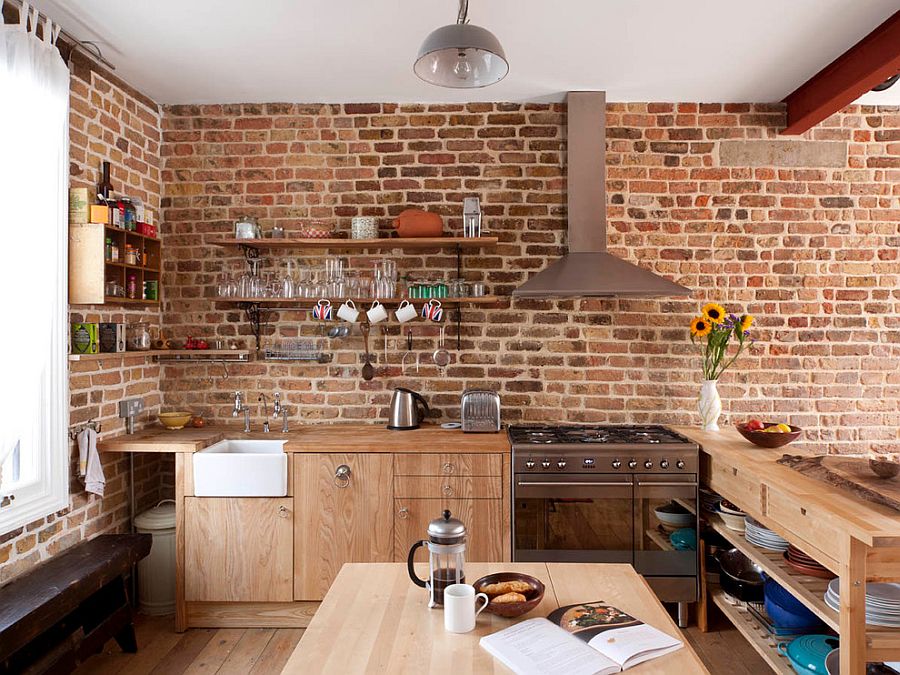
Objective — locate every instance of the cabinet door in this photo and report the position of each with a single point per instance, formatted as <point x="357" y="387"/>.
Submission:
<point x="340" y="517"/>
<point x="238" y="549"/>
<point x="482" y="518"/>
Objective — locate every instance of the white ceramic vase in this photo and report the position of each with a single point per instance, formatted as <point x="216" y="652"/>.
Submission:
<point x="710" y="406"/>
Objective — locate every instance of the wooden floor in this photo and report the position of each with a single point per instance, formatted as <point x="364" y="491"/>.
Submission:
<point x="259" y="651"/>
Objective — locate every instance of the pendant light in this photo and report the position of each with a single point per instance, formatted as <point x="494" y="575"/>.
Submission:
<point x="461" y="56"/>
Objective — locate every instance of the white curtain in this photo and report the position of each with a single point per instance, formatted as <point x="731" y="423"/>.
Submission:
<point x="34" y="150"/>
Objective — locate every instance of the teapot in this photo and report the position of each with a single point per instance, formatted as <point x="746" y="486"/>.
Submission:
<point x="446" y="545"/>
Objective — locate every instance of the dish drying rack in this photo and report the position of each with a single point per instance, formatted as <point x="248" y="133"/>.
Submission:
<point x="297" y="350"/>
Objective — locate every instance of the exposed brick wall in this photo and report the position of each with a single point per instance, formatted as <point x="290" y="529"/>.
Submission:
<point x="108" y="120"/>
<point x="779" y="230"/>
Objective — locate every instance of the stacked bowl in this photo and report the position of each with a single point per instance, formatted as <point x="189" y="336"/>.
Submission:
<point x="731" y="515"/>
<point x="882" y="602"/>
<point x="758" y="535"/>
<point x="800" y="562"/>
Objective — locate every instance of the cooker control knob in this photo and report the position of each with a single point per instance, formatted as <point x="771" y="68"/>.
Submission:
<point x="663" y="464"/>
<point x="648" y="464"/>
<point x="680" y="463"/>
<point x="546" y="463"/>
<point x="529" y="463"/>
<point x="588" y="462"/>
<point x="616" y="463"/>
<point x="632" y="463"/>
<point x="561" y="464"/>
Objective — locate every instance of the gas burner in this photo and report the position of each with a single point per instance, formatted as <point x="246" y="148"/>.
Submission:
<point x="599" y="435"/>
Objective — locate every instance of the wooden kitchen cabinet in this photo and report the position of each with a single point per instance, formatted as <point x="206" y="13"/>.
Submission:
<point x="238" y="549"/>
<point x="482" y="517"/>
<point x="340" y="517"/>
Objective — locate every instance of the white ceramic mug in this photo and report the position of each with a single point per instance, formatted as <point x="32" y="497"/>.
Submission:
<point x="459" y="607"/>
<point x="348" y="312"/>
<point x="406" y="312"/>
<point x="376" y="312"/>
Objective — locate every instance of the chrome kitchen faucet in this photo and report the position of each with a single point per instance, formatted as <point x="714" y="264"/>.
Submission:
<point x="265" y="402"/>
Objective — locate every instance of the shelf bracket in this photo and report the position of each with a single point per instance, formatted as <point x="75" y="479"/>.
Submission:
<point x="256" y="317"/>
<point x="250" y="254"/>
<point x="458" y="307"/>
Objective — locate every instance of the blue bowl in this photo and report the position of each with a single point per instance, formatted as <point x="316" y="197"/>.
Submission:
<point x="785" y="610"/>
<point x="684" y="539"/>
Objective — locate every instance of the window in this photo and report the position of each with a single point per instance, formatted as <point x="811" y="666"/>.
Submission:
<point x="34" y="452"/>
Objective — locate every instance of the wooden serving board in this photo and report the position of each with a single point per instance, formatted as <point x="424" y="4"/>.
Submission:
<point x="848" y="473"/>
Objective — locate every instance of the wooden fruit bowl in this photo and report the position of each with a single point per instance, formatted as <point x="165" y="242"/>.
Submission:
<point x="511" y="610"/>
<point x="769" y="439"/>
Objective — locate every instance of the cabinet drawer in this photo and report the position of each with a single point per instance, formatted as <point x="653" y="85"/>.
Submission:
<point x="804" y="526"/>
<point x="455" y="464"/>
<point x="743" y="490"/>
<point x="440" y="487"/>
<point x="486" y="536"/>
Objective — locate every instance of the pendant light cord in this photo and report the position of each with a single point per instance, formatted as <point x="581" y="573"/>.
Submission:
<point x="463" y="16"/>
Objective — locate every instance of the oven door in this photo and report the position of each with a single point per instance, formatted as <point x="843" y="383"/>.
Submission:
<point x="655" y="554"/>
<point x="573" y="518"/>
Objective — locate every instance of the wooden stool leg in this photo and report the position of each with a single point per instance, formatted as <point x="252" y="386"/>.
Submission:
<point x="126" y="639"/>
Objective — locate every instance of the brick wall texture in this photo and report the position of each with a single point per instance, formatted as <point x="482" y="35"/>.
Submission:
<point x="803" y="233"/>
<point x="108" y="120"/>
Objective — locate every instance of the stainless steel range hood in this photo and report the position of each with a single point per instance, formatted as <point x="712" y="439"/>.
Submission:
<point x="588" y="270"/>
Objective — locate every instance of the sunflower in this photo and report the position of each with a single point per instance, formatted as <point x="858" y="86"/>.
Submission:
<point x="700" y="326"/>
<point x="746" y="322"/>
<point x="714" y="312"/>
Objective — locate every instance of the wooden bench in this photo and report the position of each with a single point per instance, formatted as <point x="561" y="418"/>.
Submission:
<point x="65" y="610"/>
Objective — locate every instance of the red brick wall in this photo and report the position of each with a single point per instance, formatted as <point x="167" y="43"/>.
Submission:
<point x="807" y="243"/>
<point x="108" y="120"/>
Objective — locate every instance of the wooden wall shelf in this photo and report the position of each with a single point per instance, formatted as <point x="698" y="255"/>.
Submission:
<point x="173" y="354"/>
<point x="360" y="244"/>
<point x="362" y="303"/>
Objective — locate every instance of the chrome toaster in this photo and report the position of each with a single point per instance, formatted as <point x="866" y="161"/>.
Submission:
<point x="480" y="411"/>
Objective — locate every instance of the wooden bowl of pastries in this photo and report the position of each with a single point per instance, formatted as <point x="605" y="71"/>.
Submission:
<point x="512" y="594"/>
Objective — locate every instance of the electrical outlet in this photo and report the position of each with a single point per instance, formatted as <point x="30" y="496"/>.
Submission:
<point x="130" y="407"/>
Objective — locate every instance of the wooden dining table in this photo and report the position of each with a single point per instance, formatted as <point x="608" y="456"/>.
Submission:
<point x="375" y="620"/>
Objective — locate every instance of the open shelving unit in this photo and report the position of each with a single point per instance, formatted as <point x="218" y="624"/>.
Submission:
<point x="237" y="355"/>
<point x="308" y="303"/>
<point x="756" y="635"/>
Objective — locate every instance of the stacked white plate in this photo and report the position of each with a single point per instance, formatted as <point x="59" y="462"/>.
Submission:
<point x="758" y="535"/>
<point x="882" y="602"/>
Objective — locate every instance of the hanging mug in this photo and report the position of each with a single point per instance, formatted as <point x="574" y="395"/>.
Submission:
<point x="322" y="310"/>
<point x="376" y="312"/>
<point x="348" y="312"/>
<point x="405" y="312"/>
<point x="432" y="310"/>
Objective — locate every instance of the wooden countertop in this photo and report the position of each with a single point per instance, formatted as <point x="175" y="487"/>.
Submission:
<point x="871" y="523"/>
<point x="314" y="438"/>
<point x="375" y="620"/>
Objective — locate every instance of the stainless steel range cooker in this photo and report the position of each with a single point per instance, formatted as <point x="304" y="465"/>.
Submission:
<point x="590" y="494"/>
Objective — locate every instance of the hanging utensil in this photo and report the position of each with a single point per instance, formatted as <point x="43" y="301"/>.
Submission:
<point x="441" y="356"/>
<point x="384" y="332"/>
<point x="368" y="372"/>
<point x="408" y="351"/>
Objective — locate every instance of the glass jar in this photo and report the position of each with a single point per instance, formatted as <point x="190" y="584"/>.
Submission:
<point x="131" y="287"/>
<point x="137" y="336"/>
<point x="246" y="227"/>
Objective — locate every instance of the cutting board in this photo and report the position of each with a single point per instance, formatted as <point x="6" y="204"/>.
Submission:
<point x="848" y="473"/>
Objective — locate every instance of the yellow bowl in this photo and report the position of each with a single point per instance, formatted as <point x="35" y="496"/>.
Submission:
<point x="175" y="420"/>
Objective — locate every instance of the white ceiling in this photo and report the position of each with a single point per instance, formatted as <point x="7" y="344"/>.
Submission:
<point x="202" y="51"/>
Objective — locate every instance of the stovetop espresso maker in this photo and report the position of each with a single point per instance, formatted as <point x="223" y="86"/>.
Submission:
<point x="446" y="545"/>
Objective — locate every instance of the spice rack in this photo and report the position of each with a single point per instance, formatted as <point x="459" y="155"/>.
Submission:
<point x="92" y="268"/>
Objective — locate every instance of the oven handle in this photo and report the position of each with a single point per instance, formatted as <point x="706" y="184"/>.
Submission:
<point x="667" y="484"/>
<point x="568" y="484"/>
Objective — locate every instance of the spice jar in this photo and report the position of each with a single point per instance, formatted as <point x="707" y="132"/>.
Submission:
<point x="137" y="336"/>
<point x="131" y="287"/>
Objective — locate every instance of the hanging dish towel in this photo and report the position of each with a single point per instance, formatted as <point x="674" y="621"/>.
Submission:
<point x="89" y="466"/>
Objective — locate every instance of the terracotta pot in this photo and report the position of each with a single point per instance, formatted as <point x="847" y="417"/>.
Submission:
<point x="419" y="223"/>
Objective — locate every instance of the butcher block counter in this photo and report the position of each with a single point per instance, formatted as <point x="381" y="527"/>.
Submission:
<point x="313" y="438"/>
<point x="856" y="539"/>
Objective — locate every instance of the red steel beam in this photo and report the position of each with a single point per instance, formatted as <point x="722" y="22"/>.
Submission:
<point x="868" y="63"/>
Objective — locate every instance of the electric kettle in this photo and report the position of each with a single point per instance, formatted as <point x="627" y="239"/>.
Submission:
<point x="406" y="414"/>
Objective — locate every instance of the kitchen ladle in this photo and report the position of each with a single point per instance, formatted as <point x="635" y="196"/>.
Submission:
<point x="441" y="356"/>
<point x="368" y="372"/>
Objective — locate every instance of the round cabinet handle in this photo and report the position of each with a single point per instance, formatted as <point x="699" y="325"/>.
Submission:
<point x="282" y="512"/>
<point x="448" y="468"/>
<point x="342" y="476"/>
<point x="403" y="513"/>
<point x="447" y="490"/>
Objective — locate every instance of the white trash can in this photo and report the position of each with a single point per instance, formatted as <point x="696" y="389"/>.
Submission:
<point x="156" y="572"/>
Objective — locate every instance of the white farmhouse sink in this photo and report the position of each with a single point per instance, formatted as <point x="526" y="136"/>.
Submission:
<point x="241" y="468"/>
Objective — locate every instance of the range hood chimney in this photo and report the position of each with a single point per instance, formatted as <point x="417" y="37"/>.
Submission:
<point x="587" y="270"/>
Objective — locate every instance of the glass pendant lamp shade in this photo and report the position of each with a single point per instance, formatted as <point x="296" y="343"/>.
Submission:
<point x="461" y="56"/>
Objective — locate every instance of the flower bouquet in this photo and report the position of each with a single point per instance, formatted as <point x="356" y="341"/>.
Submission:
<point x="713" y="331"/>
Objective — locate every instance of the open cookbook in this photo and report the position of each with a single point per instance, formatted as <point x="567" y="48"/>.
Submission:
<point x="585" y="639"/>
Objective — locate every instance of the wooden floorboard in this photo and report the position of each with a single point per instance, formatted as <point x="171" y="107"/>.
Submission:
<point x="264" y="651"/>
